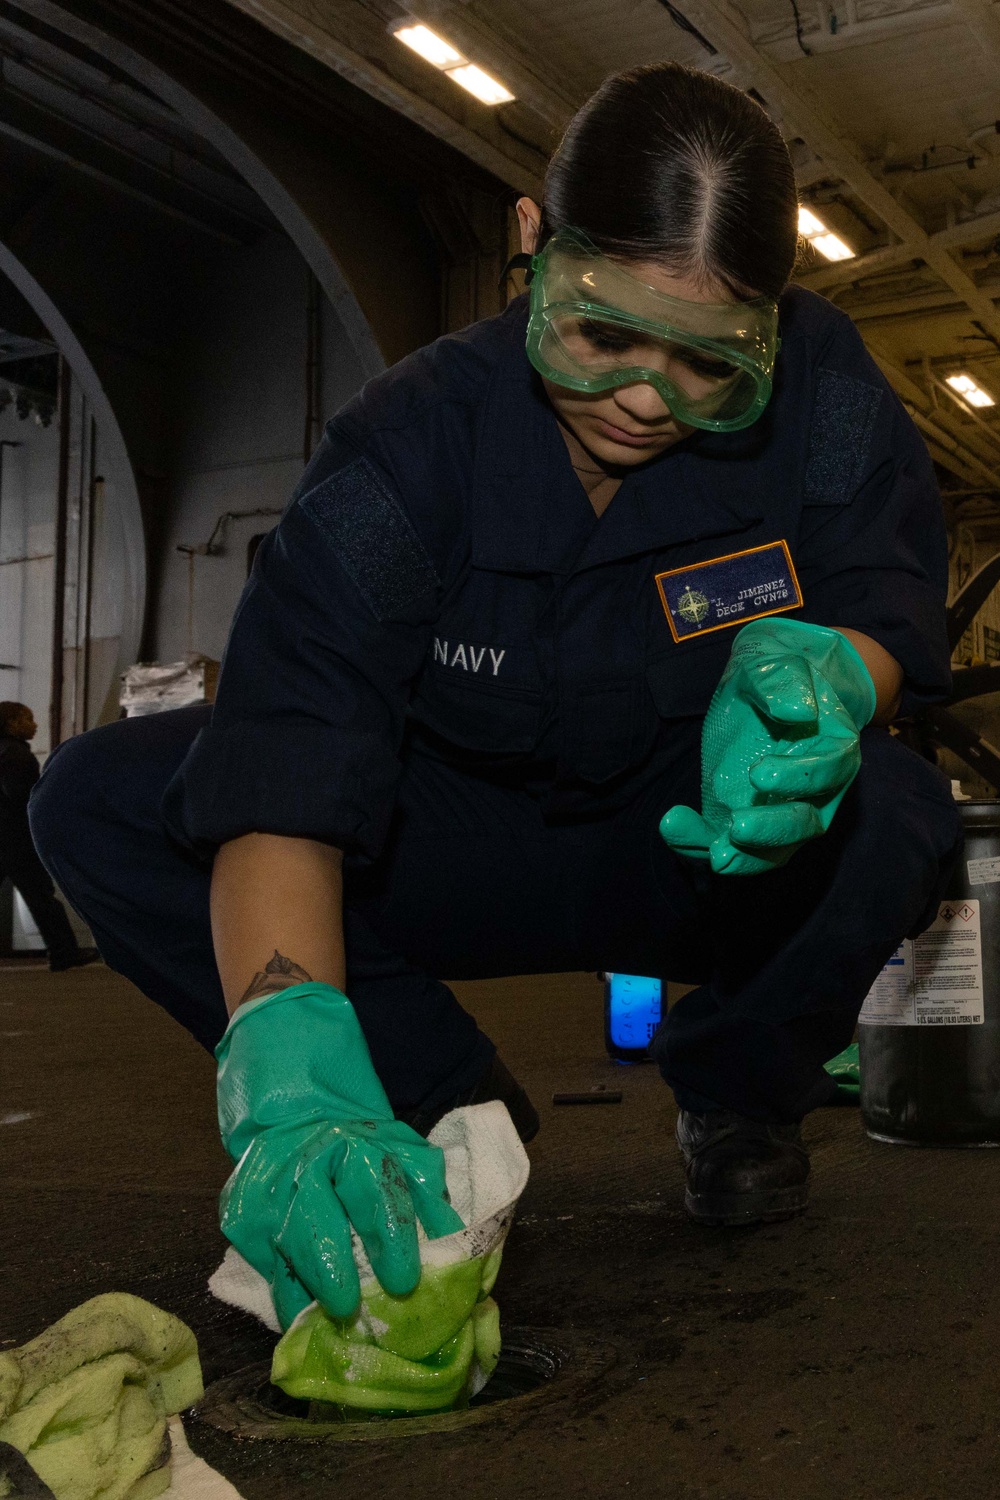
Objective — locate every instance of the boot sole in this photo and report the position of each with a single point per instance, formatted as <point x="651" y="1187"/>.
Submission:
<point x="733" y="1209"/>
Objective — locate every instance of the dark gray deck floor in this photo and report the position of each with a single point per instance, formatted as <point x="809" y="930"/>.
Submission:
<point x="851" y="1353"/>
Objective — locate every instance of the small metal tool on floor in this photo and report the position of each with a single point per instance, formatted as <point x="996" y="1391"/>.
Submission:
<point x="600" y="1094"/>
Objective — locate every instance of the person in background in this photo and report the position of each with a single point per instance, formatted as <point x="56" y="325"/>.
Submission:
<point x="18" y="860"/>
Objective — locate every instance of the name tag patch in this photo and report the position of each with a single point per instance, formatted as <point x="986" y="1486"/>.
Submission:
<point x="730" y="590"/>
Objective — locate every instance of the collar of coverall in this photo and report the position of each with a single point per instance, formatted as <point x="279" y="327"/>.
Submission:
<point x="522" y="457"/>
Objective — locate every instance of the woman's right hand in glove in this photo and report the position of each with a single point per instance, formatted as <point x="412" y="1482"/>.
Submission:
<point x="318" y="1152"/>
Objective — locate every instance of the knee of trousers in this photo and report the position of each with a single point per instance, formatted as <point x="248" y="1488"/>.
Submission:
<point x="100" y="787"/>
<point x="58" y="800"/>
<point x="904" y="808"/>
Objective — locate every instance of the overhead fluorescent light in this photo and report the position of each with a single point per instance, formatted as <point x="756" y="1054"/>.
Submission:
<point x="809" y="225"/>
<point x="441" y="54"/>
<point x="829" y="245"/>
<point x="969" y="390"/>
<point x="486" y="89"/>
<point x="832" y="247"/>
<point x="428" y="45"/>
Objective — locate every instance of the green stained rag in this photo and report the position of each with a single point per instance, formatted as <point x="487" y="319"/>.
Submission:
<point x="87" y="1401"/>
<point x="436" y="1347"/>
<point x="846" y="1070"/>
<point x="426" y="1352"/>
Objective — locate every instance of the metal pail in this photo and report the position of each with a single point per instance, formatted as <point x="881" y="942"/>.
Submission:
<point x="929" y="1048"/>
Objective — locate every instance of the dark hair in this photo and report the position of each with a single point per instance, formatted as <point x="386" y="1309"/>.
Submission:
<point x="664" y="163"/>
<point x="10" y="713"/>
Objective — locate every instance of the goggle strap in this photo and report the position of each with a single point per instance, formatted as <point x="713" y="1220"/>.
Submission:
<point x="519" y="262"/>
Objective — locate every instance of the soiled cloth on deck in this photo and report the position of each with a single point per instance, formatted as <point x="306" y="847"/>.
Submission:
<point x="427" y="1351"/>
<point x="190" y="1476"/>
<point x="87" y="1401"/>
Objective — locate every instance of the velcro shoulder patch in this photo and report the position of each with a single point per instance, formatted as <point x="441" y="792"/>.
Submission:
<point x="373" y="538"/>
<point x="839" y="437"/>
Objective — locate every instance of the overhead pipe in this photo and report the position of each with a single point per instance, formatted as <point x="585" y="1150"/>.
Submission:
<point x="781" y="45"/>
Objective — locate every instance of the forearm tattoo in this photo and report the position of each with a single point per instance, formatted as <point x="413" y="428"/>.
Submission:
<point x="279" y="973"/>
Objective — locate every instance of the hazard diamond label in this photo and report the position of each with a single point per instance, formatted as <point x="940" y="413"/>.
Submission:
<point x="968" y="911"/>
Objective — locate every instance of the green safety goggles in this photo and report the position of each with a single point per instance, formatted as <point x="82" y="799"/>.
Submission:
<point x="592" y="326"/>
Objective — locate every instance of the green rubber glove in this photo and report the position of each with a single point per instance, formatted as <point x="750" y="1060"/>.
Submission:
<point x="317" y="1151"/>
<point x="779" y="747"/>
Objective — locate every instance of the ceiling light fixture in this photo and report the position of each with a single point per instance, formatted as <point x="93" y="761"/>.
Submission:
<point x="486" y="89"/>
<point x="441" y="54"/>
<point x="970" y="392"/>
<point x="428" y="45"/>
<point x="829" y="245"/>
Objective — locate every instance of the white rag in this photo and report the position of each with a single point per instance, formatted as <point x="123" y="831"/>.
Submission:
<point x="190" y="1477"/>
<point x="486" y="1168"/>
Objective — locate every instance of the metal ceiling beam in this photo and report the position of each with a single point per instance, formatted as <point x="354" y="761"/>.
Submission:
<point x="971" y="415"/>
<point x="810" y="172"/>
<point x="946" y="451"/>
<point x="554" y="94"/>
<point x="714" y="20"/>
<point x="839" y="272"/>
<point x="81" y="80"/>
<point x="950" y="462"/>
<point x="51" y="135"/>
<point x="946" y="446"/>
<point x="917" y="305"/>
<point x="364" y="69"/>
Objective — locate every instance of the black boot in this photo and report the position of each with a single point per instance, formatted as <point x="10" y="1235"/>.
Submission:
<point x="498" y="1083"/>
<point x="740" y="1171"/>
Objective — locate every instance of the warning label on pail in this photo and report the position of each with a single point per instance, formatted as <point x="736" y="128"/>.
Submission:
<point x="935" y="979"/>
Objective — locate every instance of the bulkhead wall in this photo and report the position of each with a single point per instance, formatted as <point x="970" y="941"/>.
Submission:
<point x="220" y="360"/>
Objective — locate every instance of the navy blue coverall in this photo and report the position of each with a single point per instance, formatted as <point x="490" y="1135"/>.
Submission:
<point x="447" y="666"/>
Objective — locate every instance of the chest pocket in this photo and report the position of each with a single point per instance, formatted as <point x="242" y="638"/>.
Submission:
<point x="481" y="687"/>
<point x="682" y="680"/>
<point x="607" y="727"/>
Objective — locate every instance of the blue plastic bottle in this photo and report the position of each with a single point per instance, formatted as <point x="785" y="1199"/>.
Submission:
<point x="633" y="1006"/>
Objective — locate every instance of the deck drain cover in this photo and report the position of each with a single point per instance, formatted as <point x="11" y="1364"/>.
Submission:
<point x="536" y="1366"/>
